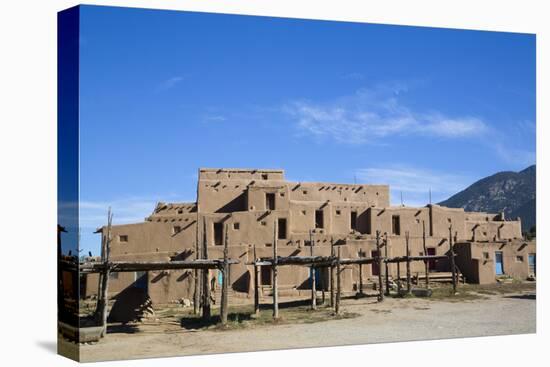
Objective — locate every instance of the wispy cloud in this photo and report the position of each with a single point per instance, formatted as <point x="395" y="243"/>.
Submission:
<point x="214" y="118"/>
<point x="169" y="83"/>
<point x="373" y="114"/>
<point x="414" y="183"/>
<point x="93" y="214"/>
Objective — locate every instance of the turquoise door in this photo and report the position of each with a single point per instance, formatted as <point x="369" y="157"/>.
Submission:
<point x="499" y="267"/>
<point x="532" y="264"/>
<point x="220" y="277"/>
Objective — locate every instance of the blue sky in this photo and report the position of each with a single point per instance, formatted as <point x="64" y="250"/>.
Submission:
<point x="163" y="93"/>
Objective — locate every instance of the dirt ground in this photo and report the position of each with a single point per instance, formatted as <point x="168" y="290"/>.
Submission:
<point x="481" y="311"/>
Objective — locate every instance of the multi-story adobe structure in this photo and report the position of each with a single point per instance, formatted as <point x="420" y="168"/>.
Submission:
<point x="245" y="205"/>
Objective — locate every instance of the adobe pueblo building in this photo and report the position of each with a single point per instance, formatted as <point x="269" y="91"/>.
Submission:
<point x="250" y="207"/>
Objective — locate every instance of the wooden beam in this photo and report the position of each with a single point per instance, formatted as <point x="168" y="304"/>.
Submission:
<point x="332" y="274"/>
<point x="452" y="257"/>
<point x="196" y="293"/>
<point x="104" y="304"/>
<point x="256" y="285"/>
<point x="426" y="262"/>
<point x="131" y="266"/>
<point x="338" y="283"/>
<point x="379" y="262"/>
<point x="407" y="249"/>
<point x="225" y="281"/>
<point x="206" y="311"/>
<point x="386" y="264"/>
<point x="312" y="272"/>
<point x="275" y="275"/>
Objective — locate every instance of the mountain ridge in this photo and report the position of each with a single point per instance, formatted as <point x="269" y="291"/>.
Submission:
<point x="513" y="193"/>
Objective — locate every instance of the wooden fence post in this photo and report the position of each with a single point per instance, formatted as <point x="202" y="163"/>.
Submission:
<point x="312" y="270"/>
<point x="225" y="281"/>
<point x="206" y="311"/>
<point x="196" y="294"/>
<point x="386" y="267"/>
<point x="104" y="304"/>
<point x="275" y="275"/>
<point x="256" y="285"/>
<point x="408" y="258"/>
<point x="332" y="272"/>
<point x="338" y="283"/>
<point x="452" y="256"/>
<point x="426" y="262"/>
<point x="379" y="262"/>
<point x="361" y="273"/>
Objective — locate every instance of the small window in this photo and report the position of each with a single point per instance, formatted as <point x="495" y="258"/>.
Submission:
<point x="319" y="222"/>
<point x="353" y="220"/>
<point x="449" y="220"/>
<point x="282" y="194"/>
<point x="218" y="234"/>
<point x="263" y="223"/>
<point x="338" y="212"/>
<point x="264" y="176"/>
<point x="113" y="275"/>
<point x="123" y="238"/>
<point x="304" y="192"/>
<point x="519" y="259"/>
<point x="304" y="212"/>
<point x="486" y="255"/>
<point x="395" y="225"/>
<point x="176" y="229"/>
<point x="236" y="226"/>
<point x="281" y="228"/>
<point x="270" y="201"/>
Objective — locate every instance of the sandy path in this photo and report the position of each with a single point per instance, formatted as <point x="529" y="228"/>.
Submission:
<point x="392" y="320"/>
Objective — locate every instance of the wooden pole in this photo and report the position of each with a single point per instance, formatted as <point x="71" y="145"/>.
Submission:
<point x="426" y="262"/>
<point x="225" y="281"/>
<point x="332" y="273"/>
<point x="338" y="283"/>
<point x="206" y="311"/>
<point x="275" y="275"/>
<point x="196" y="294"/>
<point x="104" y="304"/>
<point x="256" y="285"/>
<point x="398" y="278"/>
<point x="313" y="280"/>
<point x="408" y="262"/>
<point x="379" y="262"/>
<point x="361" y="273"/>
<point x="387" y="275"/>
<point x="452" y="256"/>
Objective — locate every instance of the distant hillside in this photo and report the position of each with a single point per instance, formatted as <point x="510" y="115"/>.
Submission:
<point x="511" y="192"/>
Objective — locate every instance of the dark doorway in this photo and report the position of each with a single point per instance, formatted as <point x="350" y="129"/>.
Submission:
<point x="353" y="221"/>
<point x="431" y="263"/>
<point x="218" y="234"/>
<point x="270" y="201"/>
<point x="374" y="266"/>
<point x="140" y="280"/>
<point x="319" y="220"/>
<point x="265" y="275"/>
<point x="395" y="225"/>
<point x="281" y="228"/>
<point x="533" y="264"/>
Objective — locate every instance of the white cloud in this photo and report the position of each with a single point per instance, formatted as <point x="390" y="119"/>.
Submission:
<point x="169" y="83"/>
<point x="373" y="114"/>
<point x="415" y="183"/>
<point x="93" y="214"/>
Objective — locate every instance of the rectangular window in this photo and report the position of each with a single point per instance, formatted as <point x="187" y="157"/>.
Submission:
<point x="270" y="201"/>
<point x="319" y="222"/>
<point x="123" y="238"/>
<point x="218" y="234"/>
<point x="264" y="176"/>
<point x="338" y="212"/>
<point x="353" y="220"/>
<point x="486" y="255"/>
<point x="265" y="275"/>
<point x="281" y="228"/>
<point x="395" y="225"/>
<point x="519" y="259"/>
<point x="236" y="226"/>
<point x="176" y="229"/>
